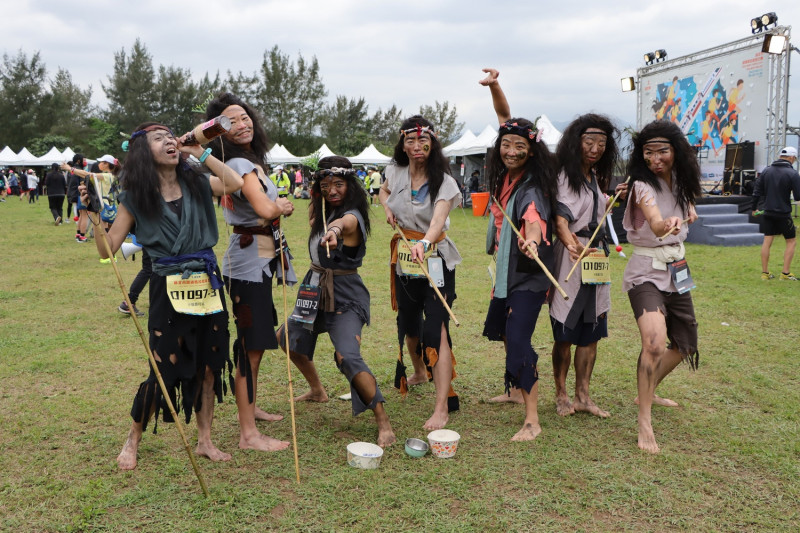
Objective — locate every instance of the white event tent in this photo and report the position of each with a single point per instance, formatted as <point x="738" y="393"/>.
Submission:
<point x="279" y="155"/>
<point x="26" y="159"/>
<point x="53" y="156"/>
<point x="370" y="156"/>
<point x="8" y="157"/>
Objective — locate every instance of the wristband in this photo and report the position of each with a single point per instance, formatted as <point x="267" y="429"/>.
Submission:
<point x="205" y="155"/>
<point x="426" y="244"/>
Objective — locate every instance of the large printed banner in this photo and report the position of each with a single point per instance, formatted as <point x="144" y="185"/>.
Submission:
<point x="716" y="101"/>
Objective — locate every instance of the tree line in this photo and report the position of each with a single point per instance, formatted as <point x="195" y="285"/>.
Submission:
<point x="39" y="111"/>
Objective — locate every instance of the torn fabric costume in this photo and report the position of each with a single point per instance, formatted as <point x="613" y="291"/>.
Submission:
<point x="521" y="285"/>
<point x="647" y="267"/>
<point x="420" y="314"/>
<point x="179" y="239"/>
<point x="588" y="305"/>
<point x="248" y="266"/>
<point x="343" y="308"/>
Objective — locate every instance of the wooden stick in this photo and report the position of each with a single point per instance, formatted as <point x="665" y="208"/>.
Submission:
<point x="325" y="228"/>
<point x="430" y="280"/>
<point x="667" y="234"/>
<point x="600" y="225"/>
<point x="558" y="287"/>
<point x="285" y="266"/>
<point x="103" y="237"/>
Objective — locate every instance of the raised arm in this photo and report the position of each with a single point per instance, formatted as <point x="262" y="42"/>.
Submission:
<point x="501" y="107"/>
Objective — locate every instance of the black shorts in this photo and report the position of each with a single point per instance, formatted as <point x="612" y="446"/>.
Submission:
<point x="678" y="311"/>
<point x="784" y="225"/>
<point x="584" y="334"/>
<point x="256" y="317"/>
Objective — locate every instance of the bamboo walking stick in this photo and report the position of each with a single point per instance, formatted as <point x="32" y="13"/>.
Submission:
<point x="325" y="228"/>
<point x="285" y="267"/>
<point x="535" y="255"/>
<point x="667" y="234"/>
<point x="430" y="280"/>
<point x="103" y="237"/>
<point x="597" y="229"/>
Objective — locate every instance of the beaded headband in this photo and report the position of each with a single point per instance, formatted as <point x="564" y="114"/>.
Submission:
<point x="524" y="130"/>
<point x="419" y="129"/>
<point x="335" y="171"/>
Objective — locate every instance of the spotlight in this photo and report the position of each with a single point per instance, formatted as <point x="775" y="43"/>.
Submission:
<point x="769" y="18"/>
<point x="649" y="58"/>
<point x="773" y="44"/>
<point x="661" y="55"/>
<point x="756" y="25"/>
<point x="628" y="84"/>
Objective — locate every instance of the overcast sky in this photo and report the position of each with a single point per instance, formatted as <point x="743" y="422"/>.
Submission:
<point x="559" y="58"/>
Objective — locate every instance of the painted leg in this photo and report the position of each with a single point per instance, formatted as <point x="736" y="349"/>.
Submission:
<point x="309" y="370"/>
<point x="126" y="460"/>
<point x="420" y="374"/>
<point x="585" y="357"/>
<point x="530" y="428"/>
<point x="561" y="361"/>
<point x="205" y="447"/>
<point x="249" y="436"/>
<point x="442" y="377"/>
<point x="365" y="385"/>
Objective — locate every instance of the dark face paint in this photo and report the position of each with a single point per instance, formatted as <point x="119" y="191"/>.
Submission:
<point x="426" y="148"/>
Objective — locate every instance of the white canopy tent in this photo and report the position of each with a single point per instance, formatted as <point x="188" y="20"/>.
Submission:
<point x="370" y="156"/>
<point x="469" y="144"/>
<point x="465" y="145"/>
<point x="53" y="156"/>
<point x="68" y="154"/>
<point x="8" y="157"/>
<point x="279" y="155"/>
<point x="26" y="158"/>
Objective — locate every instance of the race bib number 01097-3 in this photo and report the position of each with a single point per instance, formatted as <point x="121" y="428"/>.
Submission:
<point x="193" y="295"/>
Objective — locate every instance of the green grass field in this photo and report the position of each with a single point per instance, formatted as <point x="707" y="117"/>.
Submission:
<point x="70" y="364"/>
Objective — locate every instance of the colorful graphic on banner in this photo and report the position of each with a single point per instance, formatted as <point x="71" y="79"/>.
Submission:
<point x="716" y="101"/>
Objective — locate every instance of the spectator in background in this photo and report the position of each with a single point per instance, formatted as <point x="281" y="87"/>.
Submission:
<point x="13" y="182"/>
<point x="33" y="186"/>
<point x="56" y="190"/>
<point x="773" y="187"/>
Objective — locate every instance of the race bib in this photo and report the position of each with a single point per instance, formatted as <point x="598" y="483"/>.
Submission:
<point x="407" y="266"/>
<point x="595" y="269"/>
<point x="193" y="295"/>
<point x="306" y="306"/>
<point x="681" y="276"/>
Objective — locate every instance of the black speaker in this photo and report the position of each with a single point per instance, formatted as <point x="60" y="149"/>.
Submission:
<point x="740" y="156"/>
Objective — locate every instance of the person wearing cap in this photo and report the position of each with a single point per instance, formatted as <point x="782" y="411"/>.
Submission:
<point x="33" y="186"/>
<point x="281" y="181"/>
<point x="773" y="189"/>
<point x="106" y="180"/>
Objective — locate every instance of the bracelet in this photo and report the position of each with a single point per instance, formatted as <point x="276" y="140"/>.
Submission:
<point x="426" y="244"/>
<point x="334" y="230"/>
<point x="205" y="155"/>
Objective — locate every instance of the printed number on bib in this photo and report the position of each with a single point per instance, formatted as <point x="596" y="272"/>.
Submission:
<point x="306" y="306"/>
<point x="595" y="269"/>
<point x="193" y="295"/>
<point x="407" y="266"/>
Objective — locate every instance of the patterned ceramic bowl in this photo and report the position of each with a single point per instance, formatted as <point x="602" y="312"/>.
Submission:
<point x="416" y="447"/>
<point x="444" y="442"/>
<point x="364" y="455"/>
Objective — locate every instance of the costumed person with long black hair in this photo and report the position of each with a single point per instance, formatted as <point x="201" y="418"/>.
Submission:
<point x="252" y="259"/>
<point x="333" y="282"/>
<point x="665" y="182"/>
<point x="170" y="208"/>
<point x="417" y="196"/>
<point x="587" y="154"/>
<point x="522" y="180"/>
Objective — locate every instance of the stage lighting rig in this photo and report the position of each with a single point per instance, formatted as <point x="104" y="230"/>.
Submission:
<point x="661" y="55"/>
<point x="649" y="58"/>
<point x="762" y="23"/>
<point x="773" y="44"/>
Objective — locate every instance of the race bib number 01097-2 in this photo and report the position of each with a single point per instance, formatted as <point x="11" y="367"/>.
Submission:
<point x="193" y="295"/>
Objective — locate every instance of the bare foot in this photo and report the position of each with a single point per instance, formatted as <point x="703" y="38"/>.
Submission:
<point x="647" y="440"/>
<point x="313" y="396"/>
<point x="417" y="379"/>
<point x="262" y="443"/>
<point x="589" y="407"/>
<point x="658" y="400"/>
<point x="514" y="396"/>
<point x="126" y="460"/>
<point x="386" y="437"/>
<point x="267" y="417"/>
<point x="529" y="431"/>
<point x="564" y="406"/>
<point x="212" y="452"/>
<point x="438" y="420"/>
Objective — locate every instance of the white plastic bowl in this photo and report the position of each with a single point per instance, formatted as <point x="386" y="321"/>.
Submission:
<point x="443" y="442"/>
<point x="364" y="455"/>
